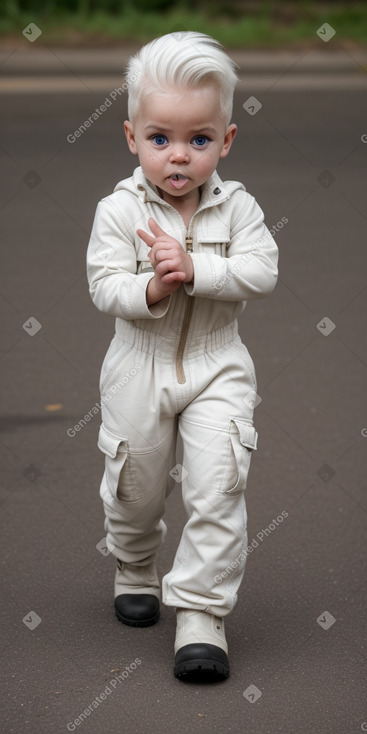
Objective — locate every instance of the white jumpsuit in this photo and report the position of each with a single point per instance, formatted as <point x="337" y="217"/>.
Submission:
<point x="180" y="366"/>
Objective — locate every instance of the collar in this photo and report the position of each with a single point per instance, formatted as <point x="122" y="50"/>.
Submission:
<point x="213" y="191"/>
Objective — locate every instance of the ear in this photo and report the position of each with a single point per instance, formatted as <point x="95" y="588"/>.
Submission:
<point x="229" y="137"/>
<point x="130" y="137"/>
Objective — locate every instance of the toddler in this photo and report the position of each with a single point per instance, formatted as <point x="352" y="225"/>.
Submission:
<point x="174" y="254"/>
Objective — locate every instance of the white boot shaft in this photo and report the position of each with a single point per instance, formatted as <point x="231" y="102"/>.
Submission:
<point x="131" y="579"/>
<point x="199" y="627"/>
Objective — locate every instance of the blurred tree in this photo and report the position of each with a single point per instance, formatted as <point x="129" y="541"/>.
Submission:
<point x="284" y="11"/>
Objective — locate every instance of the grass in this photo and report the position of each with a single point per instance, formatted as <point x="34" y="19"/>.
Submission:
<point x="271" y="26"/>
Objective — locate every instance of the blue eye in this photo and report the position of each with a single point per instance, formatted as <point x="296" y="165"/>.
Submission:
<point x="200" y="140"/>
<point x="159" y="139"/>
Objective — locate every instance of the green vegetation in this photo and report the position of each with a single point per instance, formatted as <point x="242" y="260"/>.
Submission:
<point x="237" y="23"/>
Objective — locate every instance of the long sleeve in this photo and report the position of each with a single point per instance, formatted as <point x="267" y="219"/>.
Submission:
<point x="249" y="271"/>
<point x="114" y="285"/>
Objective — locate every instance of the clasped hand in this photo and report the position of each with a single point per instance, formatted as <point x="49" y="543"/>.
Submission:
<point x="172" y="265"/>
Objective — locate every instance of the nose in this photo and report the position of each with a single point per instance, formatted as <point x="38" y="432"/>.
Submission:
<point x="179" y="154"/>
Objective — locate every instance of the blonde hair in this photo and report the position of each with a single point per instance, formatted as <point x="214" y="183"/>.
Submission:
<point x="187" y="59"/>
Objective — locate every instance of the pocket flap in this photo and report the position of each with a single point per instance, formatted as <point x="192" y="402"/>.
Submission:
<point x="214" y="234"/>
<point x="248" y="434"/>
<point x="108" y="443"/>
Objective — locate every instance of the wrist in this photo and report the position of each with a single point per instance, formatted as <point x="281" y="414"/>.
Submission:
<point x="154" y="293"/>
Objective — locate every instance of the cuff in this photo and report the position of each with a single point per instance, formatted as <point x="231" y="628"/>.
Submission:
<point x="156" y="310"/>
<point x="204" y="276"/>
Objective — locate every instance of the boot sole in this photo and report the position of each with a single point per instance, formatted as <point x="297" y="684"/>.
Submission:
<point x="201" y="670"/>
<point x="206" y="663"/>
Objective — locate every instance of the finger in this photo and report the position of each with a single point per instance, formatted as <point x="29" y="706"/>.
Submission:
<point x="173" y="277"/>
<point x="147" y="238"/>
<point x="161" y="254"/>
<point x="155" y="228"/>
<point x="166" y="266"/>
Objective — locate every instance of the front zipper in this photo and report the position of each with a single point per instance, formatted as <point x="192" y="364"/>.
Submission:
<point x="185" y="327"/>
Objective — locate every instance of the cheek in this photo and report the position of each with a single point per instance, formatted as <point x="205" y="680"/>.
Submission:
<point x="153" y="165"/>
<point x="208" y="161"/>
<point x="151" y="158"/>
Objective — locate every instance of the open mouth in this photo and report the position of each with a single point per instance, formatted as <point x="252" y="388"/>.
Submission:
<point x="178" y="180"/>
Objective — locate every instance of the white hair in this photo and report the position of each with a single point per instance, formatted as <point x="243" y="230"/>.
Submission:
<point x="187" y="59"/>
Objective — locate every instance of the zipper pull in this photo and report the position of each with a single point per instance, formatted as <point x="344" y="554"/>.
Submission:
<point x="188" y="241"/>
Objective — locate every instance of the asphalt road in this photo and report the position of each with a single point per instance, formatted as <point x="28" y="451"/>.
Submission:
<point x="297" y="635"/>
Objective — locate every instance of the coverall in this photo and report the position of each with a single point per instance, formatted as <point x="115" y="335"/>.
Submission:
<point x="179" y="366"/>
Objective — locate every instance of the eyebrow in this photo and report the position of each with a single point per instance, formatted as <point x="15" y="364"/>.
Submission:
<point x="207" y="128"/>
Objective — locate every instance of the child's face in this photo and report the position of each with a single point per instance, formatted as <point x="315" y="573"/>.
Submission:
<point x="179" y="137"/>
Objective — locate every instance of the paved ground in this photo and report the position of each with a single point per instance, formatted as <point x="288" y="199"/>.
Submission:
<point x="297" y="632"/>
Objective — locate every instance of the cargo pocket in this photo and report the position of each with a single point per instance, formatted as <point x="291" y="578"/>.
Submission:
<point x="244" y="442"/>
<point x="119" y="475"/>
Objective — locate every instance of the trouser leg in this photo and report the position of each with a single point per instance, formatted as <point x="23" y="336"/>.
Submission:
<point x="210" y="560"/>
<point x="218" y="438"/>
<point x="133" y="489"/>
